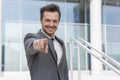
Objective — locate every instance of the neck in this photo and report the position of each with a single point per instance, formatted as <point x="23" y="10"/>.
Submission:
<point x="49" y="36"/>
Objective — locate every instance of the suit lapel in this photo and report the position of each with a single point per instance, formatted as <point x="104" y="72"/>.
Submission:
<point x="63" y="55"/>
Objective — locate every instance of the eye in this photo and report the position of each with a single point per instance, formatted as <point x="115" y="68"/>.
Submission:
<point x="47" y="20"/>
<point x="55" y="21"/>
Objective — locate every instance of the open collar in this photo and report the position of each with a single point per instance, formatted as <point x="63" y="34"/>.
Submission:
<point x="47" y="35"/>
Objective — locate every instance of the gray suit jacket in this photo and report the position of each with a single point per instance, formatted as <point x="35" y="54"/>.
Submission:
<point x="43" y="66"/>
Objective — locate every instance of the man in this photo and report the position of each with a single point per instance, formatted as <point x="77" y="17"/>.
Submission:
<point x="46" y="52"/>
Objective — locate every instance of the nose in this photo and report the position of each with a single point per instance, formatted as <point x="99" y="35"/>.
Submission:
<point x="51" y="23"/>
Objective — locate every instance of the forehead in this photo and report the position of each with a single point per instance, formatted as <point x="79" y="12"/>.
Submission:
<point x="48" y="14"/>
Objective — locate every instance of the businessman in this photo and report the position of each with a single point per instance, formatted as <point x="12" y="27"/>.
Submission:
<point x="46" y="55"/>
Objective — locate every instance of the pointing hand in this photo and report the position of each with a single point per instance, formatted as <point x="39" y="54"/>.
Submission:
<point x="41" y="45"/>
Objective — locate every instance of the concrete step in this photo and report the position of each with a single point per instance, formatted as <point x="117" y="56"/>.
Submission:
<point x="85" y="75"/>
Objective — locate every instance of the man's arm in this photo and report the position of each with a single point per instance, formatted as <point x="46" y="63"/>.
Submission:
<point x="33" y="44"/>
<point x="66" y="74"/>
<point x="28" y="44"/>
<point x="66" y="77"/>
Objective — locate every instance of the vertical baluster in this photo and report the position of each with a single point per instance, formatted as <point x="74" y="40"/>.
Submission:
<point x="79" y="70"/>
<point x="71" y="60"/>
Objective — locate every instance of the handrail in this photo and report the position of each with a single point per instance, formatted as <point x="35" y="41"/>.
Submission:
<point x="100" y="52"/>
<point x="99" y="58"/>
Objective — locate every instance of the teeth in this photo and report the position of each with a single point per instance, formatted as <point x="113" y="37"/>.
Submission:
<point x="50" y="28"/>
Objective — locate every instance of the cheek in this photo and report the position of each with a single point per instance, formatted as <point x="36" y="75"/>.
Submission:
<point x="44" y="23"/>
<point x="56" y="25"/>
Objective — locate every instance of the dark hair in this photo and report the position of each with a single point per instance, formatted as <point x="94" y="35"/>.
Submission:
<point x="51" y="8"/>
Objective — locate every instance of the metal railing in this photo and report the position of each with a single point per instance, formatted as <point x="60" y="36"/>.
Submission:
<point x="115" y="66"/>
<point x="108" y="58"/>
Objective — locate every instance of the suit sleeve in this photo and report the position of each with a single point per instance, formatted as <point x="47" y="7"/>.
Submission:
<point x="66" y="77"/>
<point x="66" y="71"/>
<point x="28" y="44"/>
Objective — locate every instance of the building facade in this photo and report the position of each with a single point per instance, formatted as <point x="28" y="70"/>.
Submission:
<point x="97" y="22"/>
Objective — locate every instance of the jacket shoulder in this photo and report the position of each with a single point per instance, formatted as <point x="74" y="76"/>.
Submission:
<point x="30" y="35"/>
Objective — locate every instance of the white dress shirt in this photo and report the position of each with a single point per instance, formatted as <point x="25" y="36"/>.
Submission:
<point x="58" y="49"/>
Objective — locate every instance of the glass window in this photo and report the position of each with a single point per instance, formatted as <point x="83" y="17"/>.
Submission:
<point x="75" y="30"/>
<point x="11" y="9"/>
<point x="31" y="10"/>
<point x="12" y="59"/>
<point x="113" y="51"/>
<point x="111" y="12"/>
<point x="77" y="12"/>
<point x="30" y="27"/>
<point x="12" y="31"/>
<point x="111" y="29"/>
<point x="11" y="46"/>
<point x="113" y="34"/>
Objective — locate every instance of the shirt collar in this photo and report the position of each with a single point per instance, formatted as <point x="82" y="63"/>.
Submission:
<point x="47" y="35"/>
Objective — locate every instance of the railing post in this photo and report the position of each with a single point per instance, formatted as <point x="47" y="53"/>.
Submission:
<point x="79" y="70"/>
<point x="71" y="60"/>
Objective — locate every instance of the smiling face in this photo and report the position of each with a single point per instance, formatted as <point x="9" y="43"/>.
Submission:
<point x="50" y="22"/>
